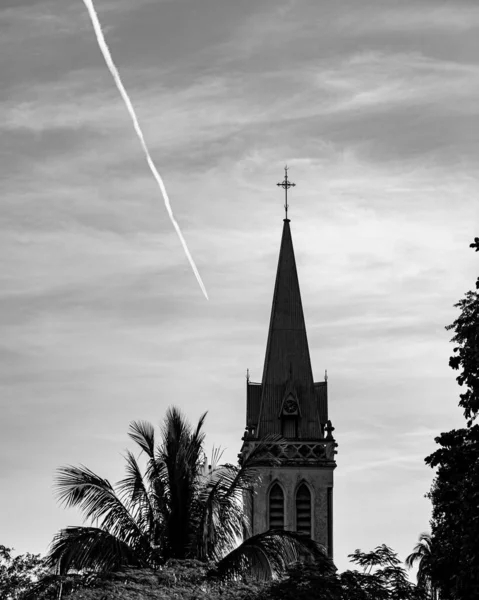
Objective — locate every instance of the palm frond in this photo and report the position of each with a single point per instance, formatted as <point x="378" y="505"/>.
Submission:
<point x="175" y="426"/>
<point x="181" y="456"/>
<point x="420" y="551"/>
<point x="135" y="495"/>
<point x="179" y="439"/>
<point x="90" y="548"/>
<point x="422" y="554"/>
<point x="234" y="483"/>
<point x="198" y="434"/>
<point x="143" y="433"/>
<point x="206" y="524"/>
<point x="227" y="495"/>
<point x="220" y="500"/>
<point x="413" y="558"/>
<point x="216" y="454"/>
<point x="96" y="498"/>
<point x="216" y="529"/>
<point x="268" y="554"/>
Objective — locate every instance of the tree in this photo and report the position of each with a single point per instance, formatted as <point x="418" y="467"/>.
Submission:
<point x="176" y="508"/>
<point x="466" y="358"/>
<point x="422" y="555"/>
<point x="454" y="567"/>
<point x="185" y="579"/>
<point x="382" y="578"/>
<point x="305" y="581"/>
<point x="455" y="515"/>
<point x="18" y="574"/>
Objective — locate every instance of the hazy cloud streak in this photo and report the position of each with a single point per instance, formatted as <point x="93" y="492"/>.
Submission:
<point x="116" y="76"/>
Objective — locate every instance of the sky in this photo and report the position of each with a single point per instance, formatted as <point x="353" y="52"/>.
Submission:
<point x="373" y="106"/>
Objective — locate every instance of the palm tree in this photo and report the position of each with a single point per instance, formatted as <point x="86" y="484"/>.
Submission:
<point x="422" y="554"/>
<point x="176" y="507"/>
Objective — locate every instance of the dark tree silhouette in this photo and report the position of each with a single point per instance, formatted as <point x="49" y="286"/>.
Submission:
<point x="176" y="508"/>
<point x="466" y="353"/>
<point x="18" y="573"/>
<point x="455" y="523"/>
<point x="382" y="578"/>
<point x="455" y="491"/>
<point x="422" y="555"/>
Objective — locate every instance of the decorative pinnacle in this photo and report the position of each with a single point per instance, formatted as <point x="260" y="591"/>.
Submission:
<point x="286" y="184"/>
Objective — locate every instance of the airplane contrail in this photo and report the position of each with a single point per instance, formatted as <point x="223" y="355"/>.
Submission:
<point x="116" y="76"/>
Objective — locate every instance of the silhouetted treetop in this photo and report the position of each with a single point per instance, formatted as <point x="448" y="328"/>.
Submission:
<point x="466" y="352"/>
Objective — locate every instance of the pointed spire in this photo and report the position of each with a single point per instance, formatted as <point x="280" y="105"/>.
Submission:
<point x="287" y="365"/>
<point x="287" y="348"/>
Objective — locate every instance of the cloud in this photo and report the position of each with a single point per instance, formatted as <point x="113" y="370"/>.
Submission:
<point x="100" y="320"/>
<point x="375" y="466"/>
<point x="374" y="80"/>
<point x="425" y="17"/>
<point x="371" y="103"/>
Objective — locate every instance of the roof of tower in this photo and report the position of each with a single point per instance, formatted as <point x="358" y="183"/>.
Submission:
<point x="287" y="362"/>
<point x="287" y="351"/>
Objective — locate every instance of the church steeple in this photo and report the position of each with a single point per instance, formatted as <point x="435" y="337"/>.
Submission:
<point x="287" y="364"/>
<point x="287" y="375"/>
<point x="287" y="347"/>
<point x="296" y="492"/>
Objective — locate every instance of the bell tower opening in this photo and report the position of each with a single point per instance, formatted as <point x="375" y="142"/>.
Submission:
<point x="276" y="507"/>
<point x="303" y="510"/>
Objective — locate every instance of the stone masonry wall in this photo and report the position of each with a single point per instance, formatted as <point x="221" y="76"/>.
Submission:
<point x="289" y="478"/>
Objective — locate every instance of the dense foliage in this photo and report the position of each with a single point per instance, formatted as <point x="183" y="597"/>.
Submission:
<point x="176" y="579"/>
<point x="382" y="578"/>
<point x="174" y="508"/>
<point x="466" y="353"/>
<point x="454" y="494"/>
<point x="18" y="573"/>
<point x="455" y="517"/>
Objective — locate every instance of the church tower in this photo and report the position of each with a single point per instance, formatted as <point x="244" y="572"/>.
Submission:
<point x="297" y="494"/>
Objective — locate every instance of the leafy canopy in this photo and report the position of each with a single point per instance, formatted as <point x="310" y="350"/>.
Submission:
<point x="173" y="508"/>
<point x="382" y="578"/>
<point x="454" y="563"/>
<point x="466" y="353"/>
<point x="18" y="574"/>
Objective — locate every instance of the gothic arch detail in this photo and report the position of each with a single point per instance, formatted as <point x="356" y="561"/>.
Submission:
<point x="276" y="506"/>
<point x="303" y="508"/>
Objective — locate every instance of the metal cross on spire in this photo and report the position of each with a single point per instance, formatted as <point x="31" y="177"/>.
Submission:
<point x="286" y="184"/>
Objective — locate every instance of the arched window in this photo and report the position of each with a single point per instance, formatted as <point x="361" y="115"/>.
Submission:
<point x="303" y="509"/>
<point x="276" y="507"/>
